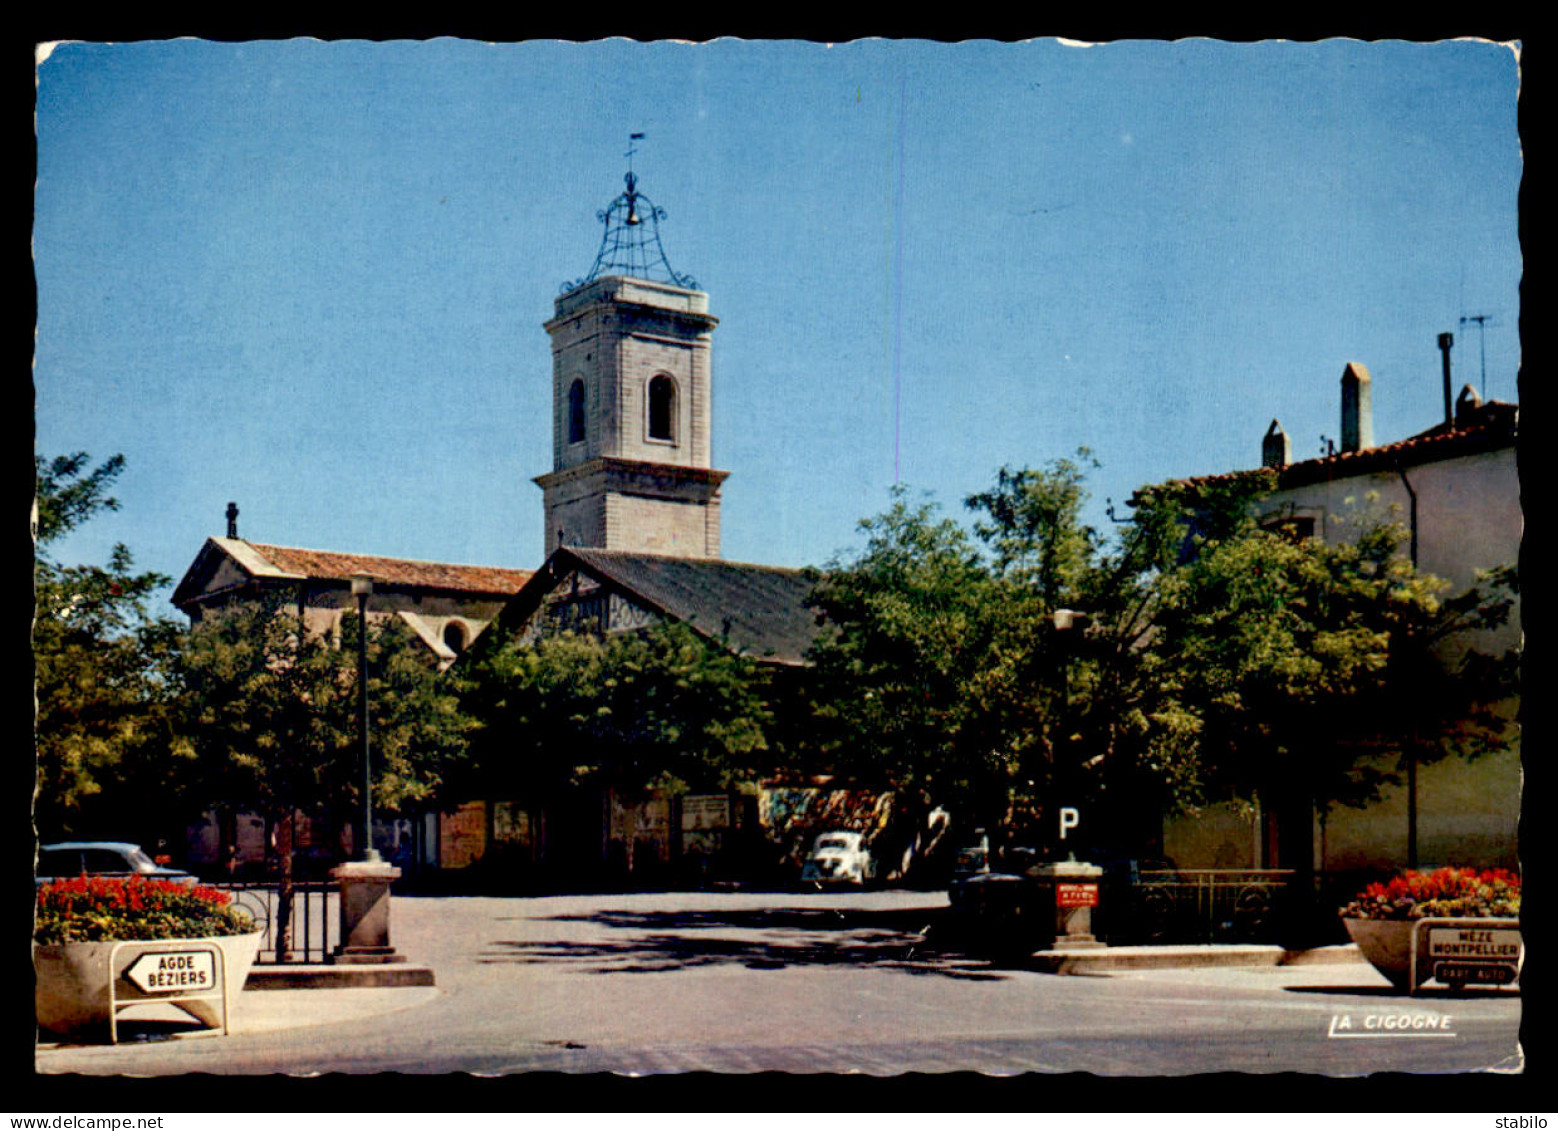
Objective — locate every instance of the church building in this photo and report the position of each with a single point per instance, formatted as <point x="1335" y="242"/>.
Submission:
<point x="631" y="508"/>
<point x="447" y="606"/>
<point x="632" y="520"/>
<point x="632" y="503"/>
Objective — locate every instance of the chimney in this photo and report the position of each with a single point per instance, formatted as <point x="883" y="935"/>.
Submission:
<point x="1445" y="342"/>
<point x="1276" y="450"/>
<point x="1357" y="409"/>
<point x="1466" y="406"/>
<point x="232" y="520"/>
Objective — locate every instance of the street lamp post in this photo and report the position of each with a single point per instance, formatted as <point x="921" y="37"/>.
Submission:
<point x="1068" y="889"/>
<point x="362" y="589"/>
<point x="365" y="883"/>
<point x="1068" y="624"/>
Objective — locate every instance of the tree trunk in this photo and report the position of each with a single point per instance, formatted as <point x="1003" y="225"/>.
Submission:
<point x="282" y="942"/>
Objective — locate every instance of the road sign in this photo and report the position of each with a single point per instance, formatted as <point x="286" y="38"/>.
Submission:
<point x="173" y="971"/>
<point x="1069" y="819"/>
<point x="1465" y="944"/>
<point x="1477" y="955"/>
<point x="189" y="974"/>
<point x="1475" y="973"/>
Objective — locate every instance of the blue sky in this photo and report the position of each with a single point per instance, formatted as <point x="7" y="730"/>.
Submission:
<point x="311" y="276"/>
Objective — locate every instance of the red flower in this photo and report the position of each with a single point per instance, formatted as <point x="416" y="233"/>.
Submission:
<point x="1446" y="890"/>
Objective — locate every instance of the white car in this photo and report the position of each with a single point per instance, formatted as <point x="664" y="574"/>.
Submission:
<point x="839" y="857"/>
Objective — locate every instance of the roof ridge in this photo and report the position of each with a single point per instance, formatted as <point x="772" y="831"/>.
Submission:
<point x="686" y="558"/>
<point x="378" y="557"/>
<point x="1435" y="433"/>
<point x="1491" y="425"/>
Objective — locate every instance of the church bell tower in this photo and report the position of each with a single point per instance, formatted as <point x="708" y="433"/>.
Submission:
<point x="630" y="399"/>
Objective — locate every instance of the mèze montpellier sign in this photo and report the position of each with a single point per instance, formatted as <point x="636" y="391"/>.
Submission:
<point x="174" y="971"/>
<point x="1464" y="954"/>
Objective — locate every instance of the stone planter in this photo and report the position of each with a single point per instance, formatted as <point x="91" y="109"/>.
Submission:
<point x="73" y="979"/>
<point x="1387" y="944"/>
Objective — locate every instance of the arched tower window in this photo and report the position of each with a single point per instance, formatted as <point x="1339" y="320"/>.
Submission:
<point x="576" y="412"/>
<point x="662" y="408"/>
<point x="454" y="637"/>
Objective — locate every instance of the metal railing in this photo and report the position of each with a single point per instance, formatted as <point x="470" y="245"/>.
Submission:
<point x="1207" y="905"/>
<point x="311" y="928"/>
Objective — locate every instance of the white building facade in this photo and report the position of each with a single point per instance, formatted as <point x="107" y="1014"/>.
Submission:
<point x="1455" y="488"/>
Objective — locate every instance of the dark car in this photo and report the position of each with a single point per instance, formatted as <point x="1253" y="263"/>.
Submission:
<point x="69" y="859"/>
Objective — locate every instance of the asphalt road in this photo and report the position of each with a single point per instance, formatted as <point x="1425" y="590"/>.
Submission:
<point x="725" y="982"/>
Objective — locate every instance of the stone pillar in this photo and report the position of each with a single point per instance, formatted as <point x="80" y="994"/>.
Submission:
<point x="365" y="913"/>
<point x="1071" y="888"/>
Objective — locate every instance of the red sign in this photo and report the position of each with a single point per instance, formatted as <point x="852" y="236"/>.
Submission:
<point x="1076" y="895"/>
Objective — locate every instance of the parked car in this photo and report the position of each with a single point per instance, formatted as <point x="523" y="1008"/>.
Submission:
<point x="973" y="858"/>
<point x="839" y="857"/>
<point x="69" y="859"/>
<point x="994" y="913"/>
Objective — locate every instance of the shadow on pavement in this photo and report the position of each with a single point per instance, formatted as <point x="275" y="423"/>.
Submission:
<point x="909" y="921"/>
<point x="769" y="939"/>
<point x="132" y="1030"/>
<point x="1429" y="993"/>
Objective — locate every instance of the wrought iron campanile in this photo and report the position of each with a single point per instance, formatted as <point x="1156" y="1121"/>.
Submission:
<point x="630" y="244"/>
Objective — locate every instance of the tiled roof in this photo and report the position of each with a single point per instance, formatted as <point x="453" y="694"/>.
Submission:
<point x="1486" y="428"/>
<point x="328" y="565"/>
<point x="758" y="611"/>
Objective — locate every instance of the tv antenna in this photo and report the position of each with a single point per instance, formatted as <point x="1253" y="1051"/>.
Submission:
<point x="1482" y="344"/>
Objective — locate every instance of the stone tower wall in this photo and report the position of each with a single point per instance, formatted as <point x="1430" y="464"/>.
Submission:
<point x="619" y="487"/>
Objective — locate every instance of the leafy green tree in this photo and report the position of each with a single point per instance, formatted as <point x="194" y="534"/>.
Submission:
<point x="1117" y="739"/>
<point x="1303" y="662"/>
<point x="269" y="709"/>
<point x="907" y="680"/>
<point x="1033" y="526"/>
<point x="1049" y="576"/>
<point x="269" y="717"/>
<point x="102" y="724"/>
<point x="1227" y="659"/>
<point x="946" y="678"/>
<point x="658" y="708"/>
<point x="1214" y="657"/>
